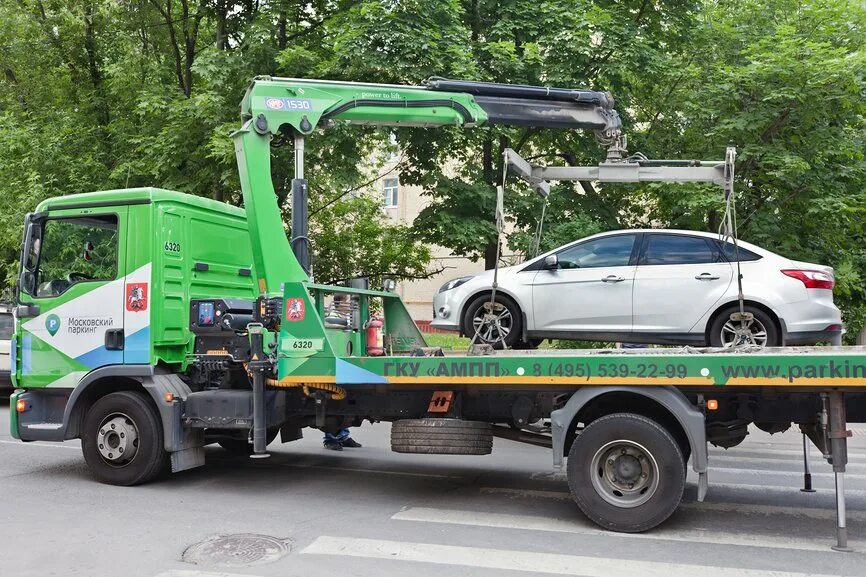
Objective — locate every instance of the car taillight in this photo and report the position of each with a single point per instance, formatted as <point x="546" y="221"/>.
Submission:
<point x="812" y="278"/>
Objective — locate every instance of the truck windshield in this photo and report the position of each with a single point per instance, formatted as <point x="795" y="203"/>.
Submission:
<point x="76" y="250"/>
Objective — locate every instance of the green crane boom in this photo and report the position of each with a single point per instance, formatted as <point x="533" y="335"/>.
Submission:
<point x="296" y="106"/>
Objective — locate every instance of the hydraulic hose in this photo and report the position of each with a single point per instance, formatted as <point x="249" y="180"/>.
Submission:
<point x="337" y="393"/>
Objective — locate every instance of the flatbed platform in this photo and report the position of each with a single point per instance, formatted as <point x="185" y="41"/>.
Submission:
<point x="800" y="367"/>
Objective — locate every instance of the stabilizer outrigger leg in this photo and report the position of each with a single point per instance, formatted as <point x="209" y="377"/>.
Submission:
<point x="256" y="368"/>
<point x="838" y="435"/>
<point x="807" y="472"/>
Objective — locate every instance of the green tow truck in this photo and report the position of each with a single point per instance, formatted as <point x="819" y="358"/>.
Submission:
<point x="152" y="323"/>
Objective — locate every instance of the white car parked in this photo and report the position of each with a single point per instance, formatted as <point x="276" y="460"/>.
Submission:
<point x="7" y="326"/>
<point x="645" y="286"/>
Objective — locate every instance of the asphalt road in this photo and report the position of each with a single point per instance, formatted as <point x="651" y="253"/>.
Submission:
<point x="370" y="512"/>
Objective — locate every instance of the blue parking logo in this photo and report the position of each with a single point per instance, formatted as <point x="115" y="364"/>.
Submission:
<point x="52" y="324"/>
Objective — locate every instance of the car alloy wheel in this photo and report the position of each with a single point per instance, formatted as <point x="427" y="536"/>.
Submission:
<point x="735" y="333"/>
<point x="492" y="323"/>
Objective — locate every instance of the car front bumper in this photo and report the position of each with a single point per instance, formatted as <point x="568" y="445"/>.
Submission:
<point x="445" y="312"/>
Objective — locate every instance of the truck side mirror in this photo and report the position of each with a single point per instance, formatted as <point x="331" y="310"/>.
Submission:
<point x="27" y="282"/>
<point x="551" y="262"/>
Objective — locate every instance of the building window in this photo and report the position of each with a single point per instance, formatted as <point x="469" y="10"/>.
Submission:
<point x="391" y="188"/>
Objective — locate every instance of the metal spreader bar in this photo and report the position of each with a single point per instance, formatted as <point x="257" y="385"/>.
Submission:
<point x="631" y="169"/>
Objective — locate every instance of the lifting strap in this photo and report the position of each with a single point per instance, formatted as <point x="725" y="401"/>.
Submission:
<point x="728" y="230"/>
<point x="490" y="317"/>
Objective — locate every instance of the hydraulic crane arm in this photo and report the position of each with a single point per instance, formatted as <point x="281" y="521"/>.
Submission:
<point x="304" y="104"/>
<point x="272" y="104"/>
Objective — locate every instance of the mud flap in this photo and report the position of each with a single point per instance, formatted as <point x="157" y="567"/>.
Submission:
<point x="186" y="446"/>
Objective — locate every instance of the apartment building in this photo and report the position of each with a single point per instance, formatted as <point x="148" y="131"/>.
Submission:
<point x="402" y="203"/>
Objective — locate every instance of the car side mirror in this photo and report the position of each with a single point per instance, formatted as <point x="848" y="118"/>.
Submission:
<point x="551" y="262"/>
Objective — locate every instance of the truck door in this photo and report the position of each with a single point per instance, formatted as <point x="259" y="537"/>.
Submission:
<point x="72" y="290"/>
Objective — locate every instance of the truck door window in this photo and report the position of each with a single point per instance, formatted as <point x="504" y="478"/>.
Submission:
<point x="76" y="250"/>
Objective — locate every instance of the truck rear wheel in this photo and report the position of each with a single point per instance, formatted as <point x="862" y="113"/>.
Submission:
<point x="626" y="472"/>
<point x="122" y="439"/>
<point x="441" y="436"/>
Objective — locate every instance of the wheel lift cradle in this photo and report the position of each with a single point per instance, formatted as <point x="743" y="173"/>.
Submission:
<point x="304" y="372"/>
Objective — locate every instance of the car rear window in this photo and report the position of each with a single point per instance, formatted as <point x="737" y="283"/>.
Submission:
<point x="680" y="249"/>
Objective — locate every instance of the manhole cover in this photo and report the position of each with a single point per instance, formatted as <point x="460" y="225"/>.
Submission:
<point x="236" y="550"/>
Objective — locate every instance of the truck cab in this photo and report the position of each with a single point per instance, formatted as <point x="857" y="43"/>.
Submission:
<point x="105" y="287"/>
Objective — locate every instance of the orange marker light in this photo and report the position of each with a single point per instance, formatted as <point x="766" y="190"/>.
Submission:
<point x="169" y="397"/>
<point x="712" y="404"/>
<point x="20" y="405"/>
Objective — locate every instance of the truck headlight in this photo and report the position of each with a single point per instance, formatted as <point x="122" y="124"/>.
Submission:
<point x="451" y="284"/>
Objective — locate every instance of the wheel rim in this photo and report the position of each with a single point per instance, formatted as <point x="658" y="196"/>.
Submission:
<point x="117" y="440"/>
<point x="624" y="473"/>
<point x="733" y="333"/>
<point x="492" y="324"/>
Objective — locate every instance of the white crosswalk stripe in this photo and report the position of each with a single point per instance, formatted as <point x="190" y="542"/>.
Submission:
<point x="722" y="507"/>
<point x="777" y="489"/>
<point x="42" y="445"/>
<point x="523" y="561"/>
<point x="816" y="465"/>
<point x="533" y="523"/>
<point x="793" y="454"/>
<point x="191" y="573"/>
<point x="771" y="472"/>
<point x="561" y="477"/>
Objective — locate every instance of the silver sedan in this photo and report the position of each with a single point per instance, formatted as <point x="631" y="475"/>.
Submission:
<point x="645" y="286"/>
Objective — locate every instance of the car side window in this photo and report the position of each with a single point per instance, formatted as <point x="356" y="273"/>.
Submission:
<point x="730" y="252"/>
<point x="76" y="250"/>
<point x="601" y="252"/>
<point x="680" y="249"/>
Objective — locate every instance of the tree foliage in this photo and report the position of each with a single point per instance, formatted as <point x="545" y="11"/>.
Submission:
<point x="98" y="94"/>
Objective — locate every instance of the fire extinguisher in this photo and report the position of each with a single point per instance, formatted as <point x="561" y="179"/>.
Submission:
<point x="375" y="344"/>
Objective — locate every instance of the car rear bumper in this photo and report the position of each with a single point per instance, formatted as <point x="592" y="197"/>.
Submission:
<point x="813" y="321"/>
<point x="812" y="337"/>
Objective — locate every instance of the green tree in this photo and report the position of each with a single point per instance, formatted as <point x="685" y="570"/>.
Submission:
<point x="784" y="81"/>
<point x="99" y="94"/>
<point x="353" y="238"/>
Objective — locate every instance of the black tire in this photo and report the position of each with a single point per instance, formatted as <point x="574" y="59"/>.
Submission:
<point x="762" y="319"/>
<point x="515" y="328"/>
<point x="652" y="499"/>
<point x="442" y="437"/>
<point x="529" y="345"/>
<point x="128" y="411"/>
<point x="242" y="446"/>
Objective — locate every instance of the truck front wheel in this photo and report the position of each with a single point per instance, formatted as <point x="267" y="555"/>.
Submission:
<point x="122" y="439"/>
<point x="626" y="472"/>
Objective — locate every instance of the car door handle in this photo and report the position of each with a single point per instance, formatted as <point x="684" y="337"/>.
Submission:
<point x="612" y="278"/>
<point x="707" y="276"/>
